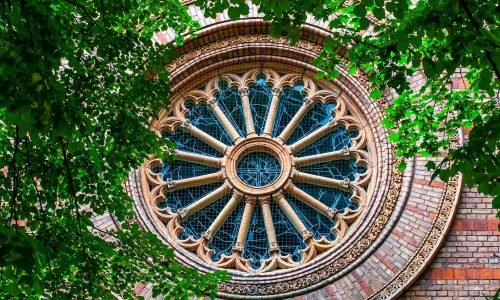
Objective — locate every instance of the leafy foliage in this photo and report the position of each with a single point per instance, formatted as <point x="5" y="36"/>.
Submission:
<point x="80" y="80"/>
<point x="436" y="38"/>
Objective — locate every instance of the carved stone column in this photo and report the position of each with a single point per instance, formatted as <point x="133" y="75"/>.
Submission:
<point x="312" y="137"/>
<point x="245" y="223"/>
<point x="205" y="201"/>
<point x="247" y="112"/>
<point x="198" y="158"/>
<point x="223" y="215"/>
<point x="271" y="115"/>
<point x="322" y="157"/>
<point x="279" y="197"/>
<point x="224" y="120"/>
<point x="215" y="143"/>
<point x="194" y="181"/>
<point x="323" y="181"/>
<point x="265" y="203"/>
<point x="311" y="201"/>
<point x="285" y="134"/>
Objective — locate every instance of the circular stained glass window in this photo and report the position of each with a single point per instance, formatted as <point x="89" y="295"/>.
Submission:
<point x="268" y="174"/>
<point x="258" y="169"/>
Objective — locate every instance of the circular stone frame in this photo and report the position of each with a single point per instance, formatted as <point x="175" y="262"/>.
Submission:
<point x="258" y="144"/>
<point x="222" y="48"/>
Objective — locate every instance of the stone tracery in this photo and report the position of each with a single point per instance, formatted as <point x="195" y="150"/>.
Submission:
<point x="321" y="188"/>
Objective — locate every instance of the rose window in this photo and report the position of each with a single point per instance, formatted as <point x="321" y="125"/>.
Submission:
<point x="270" y="172"/>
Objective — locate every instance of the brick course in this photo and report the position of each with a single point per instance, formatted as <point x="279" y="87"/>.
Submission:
<point x="468" y="264"/>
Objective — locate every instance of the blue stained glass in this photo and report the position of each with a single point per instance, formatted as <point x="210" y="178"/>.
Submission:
<point x="340" y="169"/>
<point x="223" y="241"/>
<point x="289" y="240"/>
<point x="317" y="223"/>
<point x="258" y="169"/>
<point x="183" y="197"/>
<point x="186" y="142"/>
<point x="179" y="169"/>
<point x="202" y="117"/>
<point x="291" y="99"/>
<point x="229" y="101"/>
<point x="256" y="245"/>
<point x="334" y="141"/>
<point x="316" y="117"/>
<point x="260" y="96"/>
<point x="331" y="197"/>
<point x="201" y="220"/>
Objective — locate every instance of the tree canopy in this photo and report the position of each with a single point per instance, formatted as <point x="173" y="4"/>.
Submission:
<point x="455" y="44"/>
<point x="79" y="81"/>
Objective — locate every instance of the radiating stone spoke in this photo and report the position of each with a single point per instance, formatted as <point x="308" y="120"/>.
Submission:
<point x="322" y="181"/>
<point x="322" y="157"/>
<point x="247" y="112"/>
<point x="194" y="181"/>
<point x="313" y="136"/>
<point x="198" y="158"/>
<point x="279" y="197"/>
<point x="245" y="224"/>
<point x="205" y="201"/>
<point x="285" y="134"/>
<point x="265" y="204"/>
<point x="223" y="215"/>
<point x="202" y="135"/>
<point x="271" y="116"/>
<point x="224" y="120"/>
<point x="311" y="201"/>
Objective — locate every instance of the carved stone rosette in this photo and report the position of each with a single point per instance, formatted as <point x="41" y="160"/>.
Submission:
<point x="283" y="186"/>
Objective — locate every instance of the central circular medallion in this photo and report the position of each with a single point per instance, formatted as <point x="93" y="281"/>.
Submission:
<point x="258" y="169"/>
<point x="258" y="166"/>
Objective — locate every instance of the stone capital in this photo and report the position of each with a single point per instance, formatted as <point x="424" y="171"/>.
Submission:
<point x="238" y="247"/>
<point x="186" y="124"/>
<point x="273" y="247"/>
<point x="212" y="102"/>
<point x="183" y="212"/>
<point x="332" y="212"/>
<point x="244" y="91"/>
<point x="276" y="91"/>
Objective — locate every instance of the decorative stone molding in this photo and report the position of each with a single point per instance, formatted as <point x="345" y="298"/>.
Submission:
<point x="286" y="157"/>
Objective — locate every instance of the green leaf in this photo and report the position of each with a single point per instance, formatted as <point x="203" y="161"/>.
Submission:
<point x="379" y="13"/>
<point x="376" y="94"/>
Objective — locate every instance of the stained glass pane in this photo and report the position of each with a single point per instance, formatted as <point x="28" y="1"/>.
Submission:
<point x="291" y="99"/>
<point x="317" y="223"/>
<point x="316" y="117"/>
<point x="256" y="245"/>
<point x="199" y="222"/>
<point x="186" y="142"/>
<point x="334" y="141"/>
<point x="331" y="197"/>
<point x="179" y="169"/>
<point x="289" y="240"/>
<point x="202" y="117"/>
<point x="260" y="96"/>
<point x="340" y="169"/>
<point x="259" y="169"/>
<point x="224" y="239"/>
<point x="229" y="101"/>
<point x="183" y="197"/>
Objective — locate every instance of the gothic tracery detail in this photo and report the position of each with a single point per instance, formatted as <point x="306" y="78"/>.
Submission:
<point x="271" y="171"/>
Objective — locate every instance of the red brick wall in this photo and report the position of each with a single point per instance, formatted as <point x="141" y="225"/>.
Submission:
<point x="468" y="264"/>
